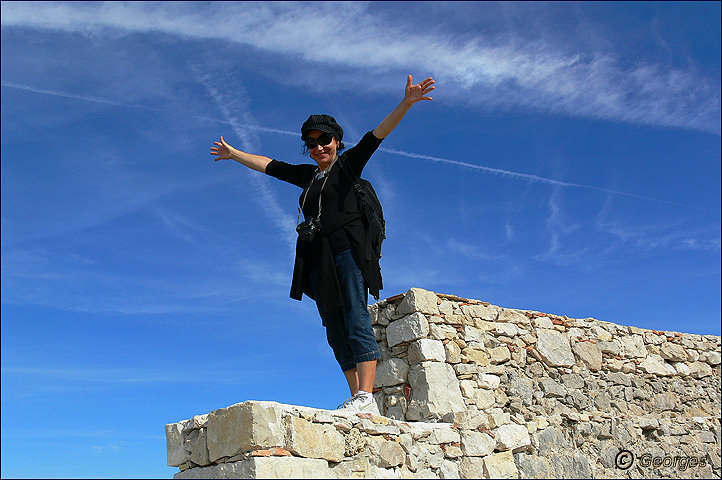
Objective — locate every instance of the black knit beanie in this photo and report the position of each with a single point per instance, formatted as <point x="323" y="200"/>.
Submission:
<point x="322" y="123"/>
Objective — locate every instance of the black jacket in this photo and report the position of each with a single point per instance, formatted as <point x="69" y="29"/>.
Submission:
<point x="341" y="223"/>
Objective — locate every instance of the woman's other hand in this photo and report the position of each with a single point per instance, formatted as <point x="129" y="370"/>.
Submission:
<point x="416" y="93"/>
<point x="222" y="149"/>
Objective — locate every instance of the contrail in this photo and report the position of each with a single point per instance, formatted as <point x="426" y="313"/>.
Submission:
<point x="531" y="178"/>
<point x="283" y="221"/>
<point x="87" y="98"/>
<point x="243" y="135"/>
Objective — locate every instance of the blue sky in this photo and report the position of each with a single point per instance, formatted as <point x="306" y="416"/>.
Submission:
<point x="569" y="163"/>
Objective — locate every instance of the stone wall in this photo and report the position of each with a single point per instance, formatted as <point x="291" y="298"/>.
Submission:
<point x="472" y="390"/>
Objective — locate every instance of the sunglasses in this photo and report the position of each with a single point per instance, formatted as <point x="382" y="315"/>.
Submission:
<point x="323" y="140"/>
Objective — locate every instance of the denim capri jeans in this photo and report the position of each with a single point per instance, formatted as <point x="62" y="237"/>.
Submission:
<point x="349" y="332"/>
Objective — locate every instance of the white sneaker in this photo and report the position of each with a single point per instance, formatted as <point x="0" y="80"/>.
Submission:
<point x="360" y="404"/>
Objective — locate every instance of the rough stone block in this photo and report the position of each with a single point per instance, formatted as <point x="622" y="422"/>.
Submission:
<point x="443" y="434"/>
<point x="177" y="455"/>
<point x="484" y="399"/>
<point x="197" y="445"/>
<point x="532" y="466"/>
<point x="700" y="370"/>
<point x="477" y="444"/>
<point x="500" y="465"/>
<point x="472" y="467"/>
<point x="390" y="454"/>
<point x="392" y="371"/>
<point x="313" y="440"/>
<point x="512" y="316"/>
<point x="554" y="348"/>
<point x="263" y="467"/>
<point x="473" y="334"/>
<point x="489" y="381"/>
<point x="655" y="365"/>
<point x="449" y="469"/>
<point x="672" y="351"/>
<point x="244" y="427"/>
<point x="543" y="322"/>
<point x="418" y="300"/>
<point x="512" y="437"/>
<point x="425" y="349"/>
<point x="435" y="389"/>
<point x="552" y="388"/>
<point x="632" y="346"/>
<point x="475" y="355"/>
<point x="588" y="354"/>
<point x="506" y="329"/>
<point x="407" y="329"/>
<point x="499" y="354"/>
<point x="482" y="312"/>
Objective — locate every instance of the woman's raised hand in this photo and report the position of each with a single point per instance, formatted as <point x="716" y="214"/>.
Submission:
<point x="222" y="149"/>
<point x="415" y="93"/>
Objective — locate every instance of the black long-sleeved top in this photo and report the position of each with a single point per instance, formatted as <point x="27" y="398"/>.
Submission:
<point x="341" y="224"/>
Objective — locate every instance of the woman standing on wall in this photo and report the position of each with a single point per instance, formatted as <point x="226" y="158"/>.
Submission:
<point x="331" y="266"/>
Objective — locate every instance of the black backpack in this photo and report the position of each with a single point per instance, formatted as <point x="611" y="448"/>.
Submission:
<point x="371" y="213"/>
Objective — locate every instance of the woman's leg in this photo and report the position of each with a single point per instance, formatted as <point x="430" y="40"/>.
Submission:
<point x="336" y="336"/>
<point x="362" y="377"/>
<point x="359" y="333"/>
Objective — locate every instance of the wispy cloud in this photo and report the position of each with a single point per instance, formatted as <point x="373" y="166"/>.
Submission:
<point x="663" y="236"/>
<point x="250" y="142"/>
<point x="489" y="72"/>
<point x="245" y="129"/>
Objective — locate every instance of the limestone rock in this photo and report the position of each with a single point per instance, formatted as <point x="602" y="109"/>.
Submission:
<point x="672" y="351"/>
<point x="390" y="454"/>
<point x="244" y="427"/>
<point x="472" y="467"/>
<point x="713" y="358"/>
<point x="543" y="322"/>
<point x="477" y="444"/>
<point x="655" y="365"/>
<point x="435" y="389"/>
<point x="443" y="434"/>
<point x="499" y="355"/>
<point x="407" y="329"/>
<point x="314" y="440"/>
<point x="426" y="349"/>
<point x="633" y="346"/>
<point x="473" y="334"/>
<point x="500" y="465"/>
<point x="700" y="370"/>
<point x="512" y="316"/>
<point x="482" y="312"/>
<point x="263" y="467"/>
<point x="474" y="355"/>
<point x="418" y="300"/>
<point x="506" y="329"/>
<point x="484" y="399"/>
<point x="489" y="381"/>
<point x="512" y="437"/>
<point x="177" y="455"/>
<point x="392" y="371"/>
<point x="552" y="388"/>
<point x="588" y="354"/>
<point x="532" y="466"/>
<point x="554" y="348"/>
<point x="197" y="445"/>
<point x="453" y="352"/>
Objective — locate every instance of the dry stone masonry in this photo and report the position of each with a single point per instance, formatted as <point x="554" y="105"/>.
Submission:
<point x="472" y="390"/>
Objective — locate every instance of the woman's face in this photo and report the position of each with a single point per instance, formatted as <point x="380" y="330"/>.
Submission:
<point x="322" y="154"/>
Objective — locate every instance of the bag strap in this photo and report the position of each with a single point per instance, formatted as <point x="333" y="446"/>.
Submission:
<point x="359" y="191"/>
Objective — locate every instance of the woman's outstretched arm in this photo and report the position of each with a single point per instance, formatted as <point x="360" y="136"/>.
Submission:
<point x="226" y="152"/>
<point x="413" y="94"/>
